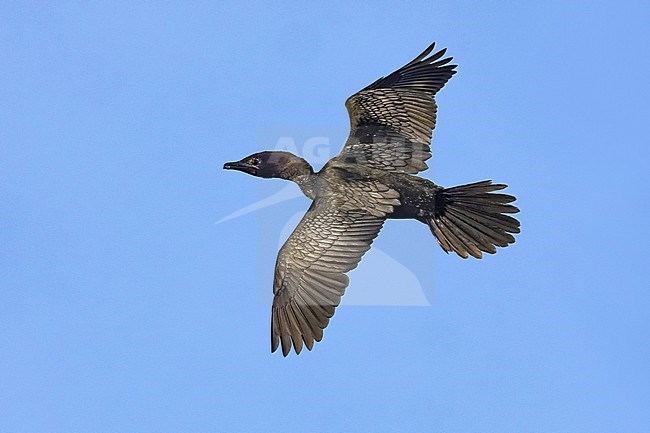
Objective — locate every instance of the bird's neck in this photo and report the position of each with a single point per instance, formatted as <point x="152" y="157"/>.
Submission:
<point x="301" y="173"/>
<point x="307" y="183"/>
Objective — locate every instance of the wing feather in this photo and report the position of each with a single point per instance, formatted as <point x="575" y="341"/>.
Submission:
<point x="392" y="119"/>
<point x="310" y="271"/>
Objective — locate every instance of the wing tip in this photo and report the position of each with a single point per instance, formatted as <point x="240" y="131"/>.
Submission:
<point x="424" y="57"/>
<point x="424" y="54"/>
<point x="274" y="342"/>
<point x="305" y="342"/>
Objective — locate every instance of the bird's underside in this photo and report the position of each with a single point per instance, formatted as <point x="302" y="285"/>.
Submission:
<point x="371" y="180"/>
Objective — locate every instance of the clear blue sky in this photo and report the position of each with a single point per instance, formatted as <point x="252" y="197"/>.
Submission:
<point x="124" y="307"/>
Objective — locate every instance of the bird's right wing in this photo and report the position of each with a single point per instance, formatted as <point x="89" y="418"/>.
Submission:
<point x="310" y="271"/>
<point x="392" y="119"/>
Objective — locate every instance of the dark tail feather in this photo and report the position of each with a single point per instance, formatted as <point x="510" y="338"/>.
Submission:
<point x="470" y="219"/>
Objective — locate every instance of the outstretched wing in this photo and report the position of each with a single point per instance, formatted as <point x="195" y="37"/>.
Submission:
<point x="310" y="271"/>
<point x="392" y="119"/>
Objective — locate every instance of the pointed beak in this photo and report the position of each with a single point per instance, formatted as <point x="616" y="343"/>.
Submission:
<point x="240" y="166"/>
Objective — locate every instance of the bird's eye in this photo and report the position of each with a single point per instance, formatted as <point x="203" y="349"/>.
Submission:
<point x="255" y="161"/>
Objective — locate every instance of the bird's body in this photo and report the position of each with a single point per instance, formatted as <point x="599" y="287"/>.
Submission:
<point x="416" y="194"/>
<point x="372" y="180"/>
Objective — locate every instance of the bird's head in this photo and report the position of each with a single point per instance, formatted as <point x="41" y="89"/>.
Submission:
<point x="272" y="164"/>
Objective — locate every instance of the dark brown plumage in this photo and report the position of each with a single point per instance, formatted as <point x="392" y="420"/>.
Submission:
<point x="371" y="180"/>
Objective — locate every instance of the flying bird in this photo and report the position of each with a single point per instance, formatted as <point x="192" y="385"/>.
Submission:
<point x="371" y="180"/>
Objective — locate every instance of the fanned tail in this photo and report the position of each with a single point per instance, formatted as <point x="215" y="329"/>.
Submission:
<point x="471" y="219"/>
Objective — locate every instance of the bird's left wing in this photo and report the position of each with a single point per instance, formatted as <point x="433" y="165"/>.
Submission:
<point x="310" y="271"/>
<point x="392" y="119"/>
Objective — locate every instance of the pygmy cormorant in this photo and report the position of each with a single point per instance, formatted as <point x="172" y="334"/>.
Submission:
<point x="371" y="180"/>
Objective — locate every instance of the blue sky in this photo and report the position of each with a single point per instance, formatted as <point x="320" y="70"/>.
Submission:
<point x="124" y="307"/>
